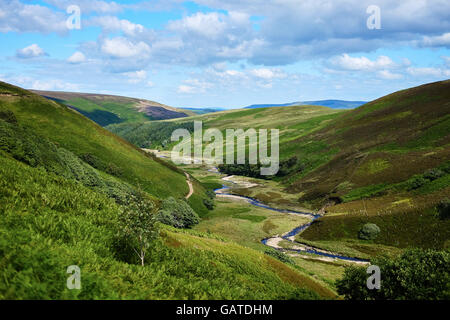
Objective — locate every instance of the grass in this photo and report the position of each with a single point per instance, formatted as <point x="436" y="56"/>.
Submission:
<point x="48" y="223"/>
<point x="72" y="131"/>
<point x="247" y="224"/>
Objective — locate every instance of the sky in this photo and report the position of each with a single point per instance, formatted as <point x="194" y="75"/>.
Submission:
<point x="225" y="54"/>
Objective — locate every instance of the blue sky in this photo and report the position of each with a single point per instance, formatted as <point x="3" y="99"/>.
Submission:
<point x="226" y="54"/>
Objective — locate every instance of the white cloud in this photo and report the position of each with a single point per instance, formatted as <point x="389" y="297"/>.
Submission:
<point x="428" y="72"/>
<point x="120" y="47"/>
<point x="437" y="41"/>
<point x="388" y="75"/>
<point x="77" y="57"/>
<point x="112" y="24"/>
<point x="32" y="51"/>
<point x="191" y="86"/>
<point x="347" y="62"/>
<point x="268" y="74"/>
<point x="136" y="76"/>
<point x="19" y="17"/>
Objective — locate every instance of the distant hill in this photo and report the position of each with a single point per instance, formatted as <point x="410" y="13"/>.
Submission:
<point x="204" y="110"/>
<point x="110" y="109"/>
<point x="334" y="104"/>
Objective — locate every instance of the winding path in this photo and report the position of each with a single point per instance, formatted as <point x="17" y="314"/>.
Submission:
<point x="274" y="242"/>
<point x="189" y="182"/>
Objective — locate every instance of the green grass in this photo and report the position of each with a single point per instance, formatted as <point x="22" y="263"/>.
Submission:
<point x="48" y="223"/>
<point x="72" y="131"/>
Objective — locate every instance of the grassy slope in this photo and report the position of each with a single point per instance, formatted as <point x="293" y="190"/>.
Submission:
<point x="109" y="109"/>
<point x="383" y="142"/>
<point x="72" y="131"/>
<point x="48" y="223"/>
<point x="379" y="149"/>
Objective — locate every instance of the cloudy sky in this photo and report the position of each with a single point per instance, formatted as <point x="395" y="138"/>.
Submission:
<point x="217" y="53"/>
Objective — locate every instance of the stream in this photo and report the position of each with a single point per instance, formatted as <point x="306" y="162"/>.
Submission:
<point x="289" y="236"/>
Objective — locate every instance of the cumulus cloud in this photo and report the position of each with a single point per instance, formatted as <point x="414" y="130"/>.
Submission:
<point x="77" y="57"/>
<point x="428" y="72"/>
<point x="88" y="6"/>
<point x="121" y="47"/>
<point x="32" y="51"/>
<point x="18" y="17"/>
<point x="347" y="62"/>
<point x="388" y="75"/>
<point x="136" y="76"/>
<point x="114" y="24"/>
<point x="437" y="41"/>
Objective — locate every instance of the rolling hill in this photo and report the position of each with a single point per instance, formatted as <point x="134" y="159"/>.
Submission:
<point x="334" y="104"/>
<point x="109" y="109"/>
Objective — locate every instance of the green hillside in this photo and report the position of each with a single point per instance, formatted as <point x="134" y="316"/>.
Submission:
<point x="48" y="223"/>
<point x="109" y="109"/>
<point x="371" y="149"/>
<point x="43" y="120"/>
<point x="65" y="182"/>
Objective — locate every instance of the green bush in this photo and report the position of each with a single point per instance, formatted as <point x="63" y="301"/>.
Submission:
<point x="444" y="208"/>
<point x="415" y="275"/>
<point x="417" y="182"/>
<point x="209" y="203"/>
<point x="279" y="255"/>
<point x="210" y="194"/>
<point x="177" y="213"/>
<point x="433" y="174"/>
<point x="369" y="231"/>
<point x="8" y="116"/>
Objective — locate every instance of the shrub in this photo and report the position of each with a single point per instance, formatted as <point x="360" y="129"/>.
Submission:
<point x="444" y="208"/>
<point x="210" y="194"/>
<point x="417" y="182"/>
<point x="114" y="170"/>
<point x="416" y="275"/>
<point x="209" y="203"/>
<point x="369" y="231"/>
<point x="433" y="174"/>
<point x="279" y="255"/>
<point x="177" y="213"/>
<point x="8" y="116"/>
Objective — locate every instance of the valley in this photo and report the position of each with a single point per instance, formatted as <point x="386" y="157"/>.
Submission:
<point x="67" y="177"/>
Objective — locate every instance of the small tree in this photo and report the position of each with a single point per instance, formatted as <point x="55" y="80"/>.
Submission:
<point x="138" y="224"/>
<point x="369" y="231"/>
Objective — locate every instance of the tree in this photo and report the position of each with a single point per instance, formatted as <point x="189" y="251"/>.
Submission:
<point x="138" y="224"/>
<point x="369" y="231"/>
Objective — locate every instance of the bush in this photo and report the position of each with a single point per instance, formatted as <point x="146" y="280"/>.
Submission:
<point x="444" y="208"/>
<point x="210" y="194"/>
<point x="417" y="182"/>
<point x="209" y="203"/>
<point x="8" y="116"/>
<point x="433" y="174"/>
<point x="369" y="231"/>
<point x="279" y="255"/>
<point x="415" y="275"/>
<point x="177" y="213"/>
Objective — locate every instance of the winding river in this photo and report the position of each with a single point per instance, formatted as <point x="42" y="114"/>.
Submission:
<point x="289" y="236"/>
